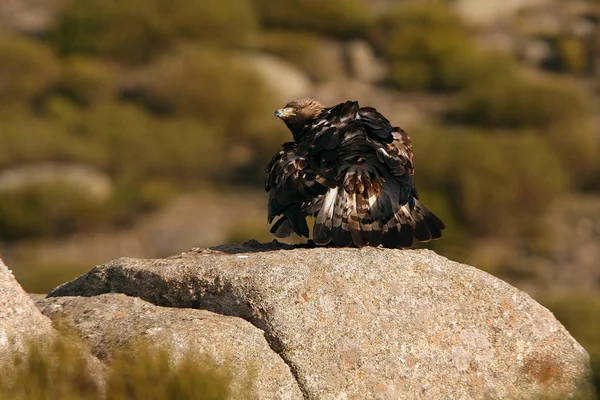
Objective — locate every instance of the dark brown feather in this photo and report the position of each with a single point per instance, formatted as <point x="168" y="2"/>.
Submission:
<point x="351" y="169"/>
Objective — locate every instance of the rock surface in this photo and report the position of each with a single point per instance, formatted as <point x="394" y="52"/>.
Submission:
<point x="22" y="324"/>
<point x="111" y="321"/>
<point x="20" y="321"/>
<point x="368" y="323"/>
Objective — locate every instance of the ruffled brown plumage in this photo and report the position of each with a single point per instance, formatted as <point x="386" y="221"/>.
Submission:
<point x="352" y="170"/>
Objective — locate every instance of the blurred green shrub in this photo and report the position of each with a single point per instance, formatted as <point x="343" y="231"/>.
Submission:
<point x="206" y="83"/>
<point x="50" y="209"/>
<point x="580" y="314"/>
<point x="88" y="80"/>
<point x="341" y="18"/>
<point x="518" y="100"/>
<point x="577" y="147"/>
<point x="60" y="371"/>
<point x="27" y="69"/>
<point x="135" y="145"/>
<point x="118" y="138"/>
<point x="217" y="89"/>
<point x="411" y="75"/>
<point x="494" y="184"/>
<point x="140" y="152"/>
<point x="305" y="50"/>
<point x="572" y="57"/>
<point x="134" y="196"/>
<point x="427" y="47"/>
<point x="28" y="139"/>
<point x="136" y="30"/>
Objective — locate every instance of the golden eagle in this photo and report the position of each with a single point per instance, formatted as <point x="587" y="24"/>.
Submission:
<point x="352" y="170"/>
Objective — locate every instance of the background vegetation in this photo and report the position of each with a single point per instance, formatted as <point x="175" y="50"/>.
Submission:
<point x="158" y="97"/>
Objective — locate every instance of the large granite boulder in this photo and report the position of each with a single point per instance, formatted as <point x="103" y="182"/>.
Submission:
<point x="112" y="322"/>
<point x="367" y="323"/>
<point x="20" y="321"/>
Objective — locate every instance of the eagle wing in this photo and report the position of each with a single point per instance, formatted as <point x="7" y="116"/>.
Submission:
<point x="375" y="201"/>
<point x="408" y="218"/>
<point x="293" y="180"/>
<point x="392" y="144"/>
<point x="302" y="172"/>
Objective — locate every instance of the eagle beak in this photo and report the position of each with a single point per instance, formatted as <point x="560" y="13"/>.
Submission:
<point x="285" y="112"/>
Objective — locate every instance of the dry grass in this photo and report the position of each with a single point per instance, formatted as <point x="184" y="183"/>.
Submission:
<point x="140" y="372"/>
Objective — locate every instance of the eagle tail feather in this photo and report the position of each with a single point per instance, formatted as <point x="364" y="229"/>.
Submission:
<point x="427" y="225"/>
<point x="323" y="228"/>
<point x="294" y="217"/>
<point x="366" y="210"/>
<point x="282" y="228"/>
<point x="340" y="232"/>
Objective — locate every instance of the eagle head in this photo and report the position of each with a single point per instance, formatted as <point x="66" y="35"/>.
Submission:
<point x="298" y="114"/>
